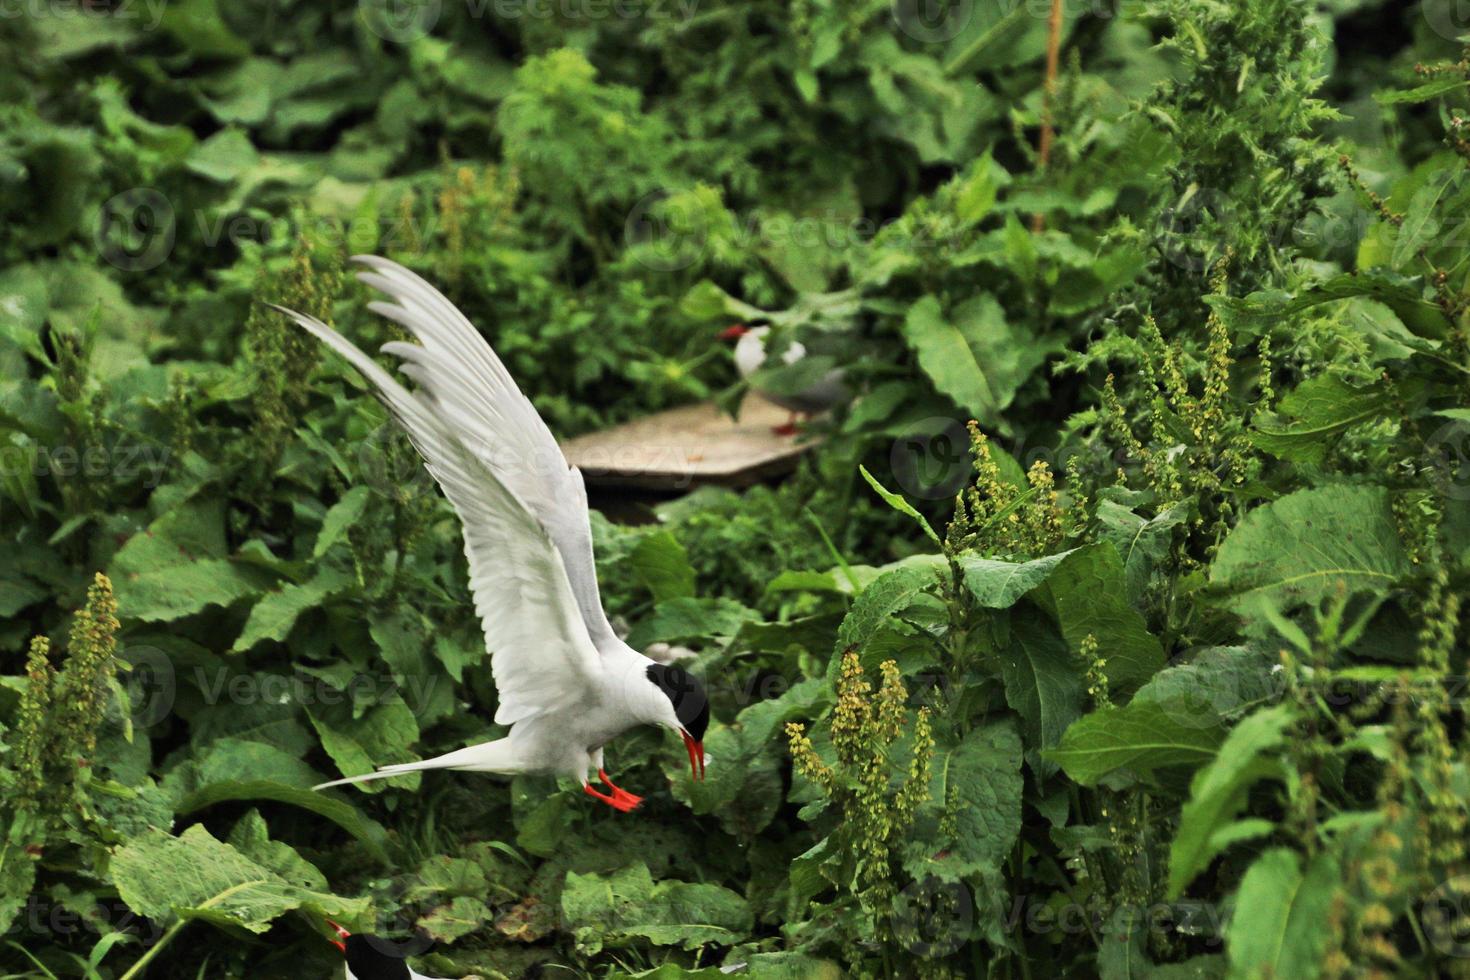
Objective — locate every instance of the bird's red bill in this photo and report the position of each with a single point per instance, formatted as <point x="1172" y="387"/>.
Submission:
<point x="696" y="755"/>
<point x="341" y="935"/>
<point x="734" y="333"/>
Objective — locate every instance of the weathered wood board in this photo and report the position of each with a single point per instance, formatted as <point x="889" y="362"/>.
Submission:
<point x="687" y="447"/>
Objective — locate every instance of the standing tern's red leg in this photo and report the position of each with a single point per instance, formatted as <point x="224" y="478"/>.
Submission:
<point x="788" y="429"/>
<point x="618" y="793"/>
<point x="620" y="803"/>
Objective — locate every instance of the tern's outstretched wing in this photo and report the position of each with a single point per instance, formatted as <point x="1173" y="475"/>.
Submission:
<point x="476" y="396"/>
<point x="541" y="653"/>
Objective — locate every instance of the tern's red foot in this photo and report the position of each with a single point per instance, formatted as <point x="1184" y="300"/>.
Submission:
<point x="786" y="429"/>
<point x="618" y="792"/>
<point x="623" y="803"/>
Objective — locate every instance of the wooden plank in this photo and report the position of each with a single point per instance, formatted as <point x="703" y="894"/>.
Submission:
<point x="689" y="446"/>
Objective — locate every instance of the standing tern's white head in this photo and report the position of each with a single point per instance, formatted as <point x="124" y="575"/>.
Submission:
<point x="567" y="684"/>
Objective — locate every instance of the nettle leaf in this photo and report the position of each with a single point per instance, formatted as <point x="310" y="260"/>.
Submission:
<point x="1276" y="930"/>
<point x="232" y="770"/>
<point x="1420" y="93"/>
<point x="384" y="734"/>
<point x="947" y="359"/>
<point x="196" y="876"/>
<point x="1314" y="413"/>
<point x="177" y="567"/>
<point x="662" y="564"/>
<point x="276" y="613"/>
<point x="345" y="513"/>
<point x="971" y="357"/>
<point x="1089" y="591"/>
<point x="456" y="919"/>
<point x="17" y="875"/>
<point x="998" y="584"/>
<point x="401" y="636"/>
<point x="1043" y="683"/>
<point x="627" y="906"/>
<point x="1402" y="294"/>
<point x="890" y="593"/>
<point x="1142" y="543"/>
<point x="1307" y="545"/>
<point x="1422" y="224"/>
<point x="1135" y="739"/>
<point x="975" y="787"/>
<point x="1218" y="793"/>
<point x="691" y="619"/>
<point x="167" y="594"/>
<point x="251" y="837"/>
<point x="743" y="785"/>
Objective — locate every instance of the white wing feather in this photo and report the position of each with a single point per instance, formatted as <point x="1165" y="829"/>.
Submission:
<point x="474" y="392"/>
<point x="541" y="653"/>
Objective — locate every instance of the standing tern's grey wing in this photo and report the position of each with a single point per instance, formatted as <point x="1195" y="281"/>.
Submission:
<point x="474" y="393"/>
<point x="541" y="653"/>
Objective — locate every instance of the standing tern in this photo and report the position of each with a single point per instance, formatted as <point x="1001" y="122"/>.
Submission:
<point x="815" y="398"/>
<point x="568" y="685"/>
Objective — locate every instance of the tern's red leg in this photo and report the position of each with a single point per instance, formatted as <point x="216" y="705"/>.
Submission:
<point x="618" y="792"/>
<point x="786" y="429"/>
<point x="620" y="803"/>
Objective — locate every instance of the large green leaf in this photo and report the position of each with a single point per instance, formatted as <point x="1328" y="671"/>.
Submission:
<point x="196" y="876"/>
<point x="1143" y="544"/>
<point x="1217" y="794"/>
<point x="1310" y="543"/>
<point x="891" y="593"/>
<point x="1138" y="738"/>
<point x="172" y="593"/>
<point x="1089" y="591"/>
<point x="1314" y="413"/>
<point x="273" y="616"/>
<point x="662" y="564"/>
<point x="1043" y="682"/>
<point x="972" y="356"/>
<point x="997" y="584"/>
<point x="177" y="567"/>
<point x="627" y="906"/>
<point x="1403" y="295"/>
<point x="1276" y="930"/>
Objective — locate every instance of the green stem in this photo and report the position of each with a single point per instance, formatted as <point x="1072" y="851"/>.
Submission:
<point x="136" y="970"/>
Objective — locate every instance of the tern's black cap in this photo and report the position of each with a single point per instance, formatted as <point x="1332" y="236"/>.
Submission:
<point x="691" y="706"/>
<point x="371" y="958"/>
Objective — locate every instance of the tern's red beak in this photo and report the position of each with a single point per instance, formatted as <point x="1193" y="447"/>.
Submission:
<point x="341" y="935"/>
<point x="696" y="755"/>
<point x="734" y="333"/>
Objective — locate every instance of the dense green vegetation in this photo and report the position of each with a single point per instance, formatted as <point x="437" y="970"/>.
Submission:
<point x="1114" y="629"/>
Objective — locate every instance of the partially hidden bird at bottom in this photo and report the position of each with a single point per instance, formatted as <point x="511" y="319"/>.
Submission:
<point x="567" y="683"/>
<point x="373" y="958"/>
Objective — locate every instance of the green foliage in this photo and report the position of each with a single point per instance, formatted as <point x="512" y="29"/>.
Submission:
<point x="1172" y="690"/>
